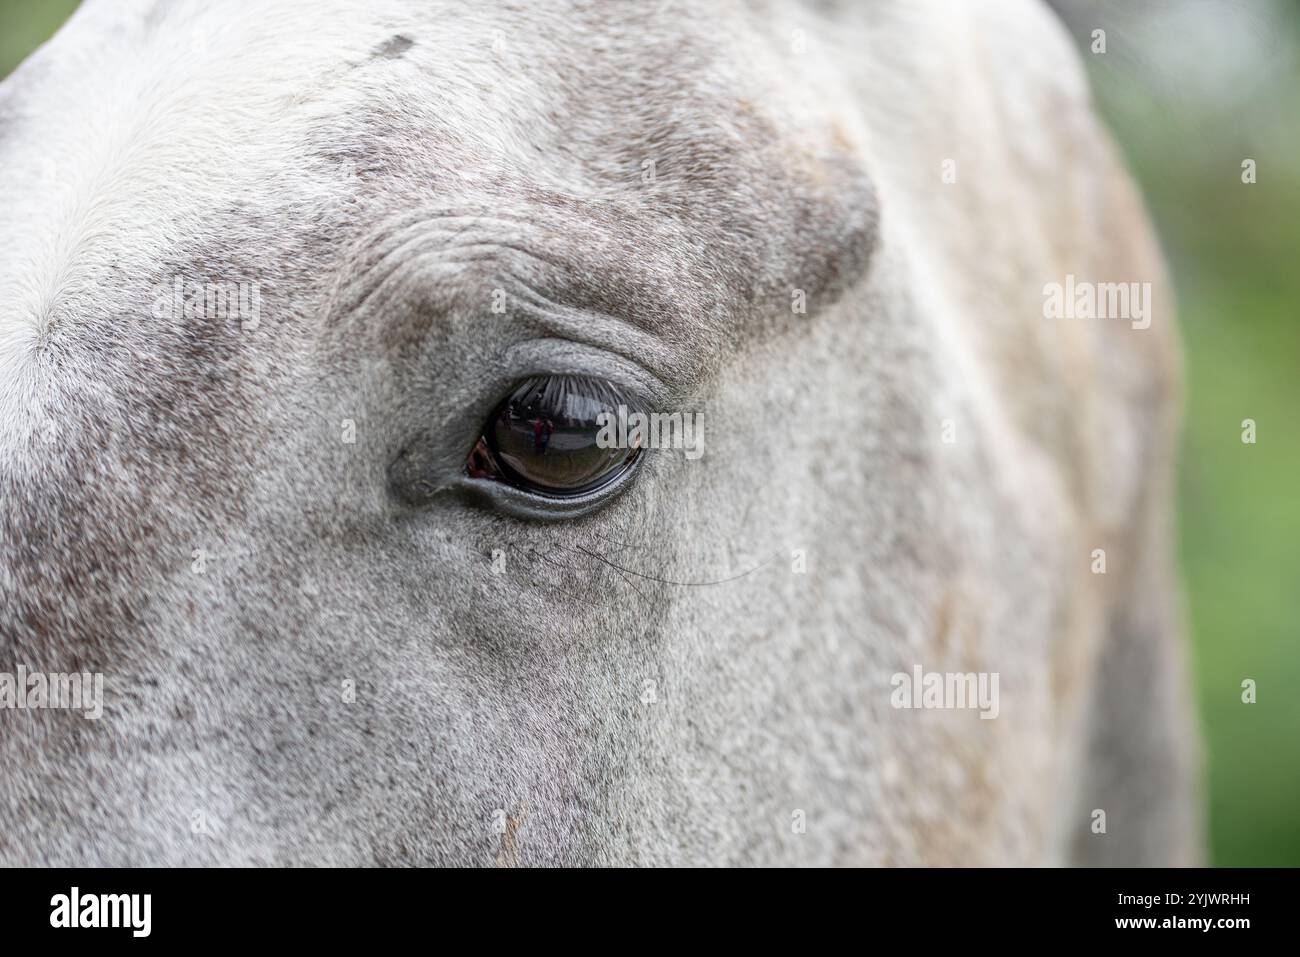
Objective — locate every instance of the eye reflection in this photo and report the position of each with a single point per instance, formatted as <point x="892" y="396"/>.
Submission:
<point x="543" y="437"/>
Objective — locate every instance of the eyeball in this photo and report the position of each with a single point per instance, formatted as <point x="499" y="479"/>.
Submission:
<point x="545" y="437"/>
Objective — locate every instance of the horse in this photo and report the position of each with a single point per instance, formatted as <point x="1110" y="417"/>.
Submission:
<point x="285" y="294"/>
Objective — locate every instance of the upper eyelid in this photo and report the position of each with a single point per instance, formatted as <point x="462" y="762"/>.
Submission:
<point x="561" y="356"/>
<point x="598" y="330"/>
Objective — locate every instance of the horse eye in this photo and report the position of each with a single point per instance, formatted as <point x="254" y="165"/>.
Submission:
<point x="546" y="437"/>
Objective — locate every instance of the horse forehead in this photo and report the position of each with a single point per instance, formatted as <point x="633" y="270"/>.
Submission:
<point x="535" y="86"/>
<point x="193" y="141"/>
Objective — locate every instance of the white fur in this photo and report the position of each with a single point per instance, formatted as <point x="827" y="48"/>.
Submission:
<point x="378" y="193"/>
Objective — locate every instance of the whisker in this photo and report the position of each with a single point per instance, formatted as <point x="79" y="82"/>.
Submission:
<point x="668" y="581"/>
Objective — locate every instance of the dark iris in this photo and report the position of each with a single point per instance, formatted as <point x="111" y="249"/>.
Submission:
<point x="543" y="437"/>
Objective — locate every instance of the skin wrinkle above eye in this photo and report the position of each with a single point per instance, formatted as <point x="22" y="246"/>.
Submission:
<point x="390" y="247"/>
<point x="617" y="240"/>
<point x="400" y="251"/>
<point x="465" y="268"/>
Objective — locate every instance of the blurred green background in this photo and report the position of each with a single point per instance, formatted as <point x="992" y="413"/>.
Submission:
<point x="26" y="24"/>
<point x="1192" y="88"/>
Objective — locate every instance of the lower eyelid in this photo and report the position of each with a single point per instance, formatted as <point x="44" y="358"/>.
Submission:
<point x="518" y="503"/>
